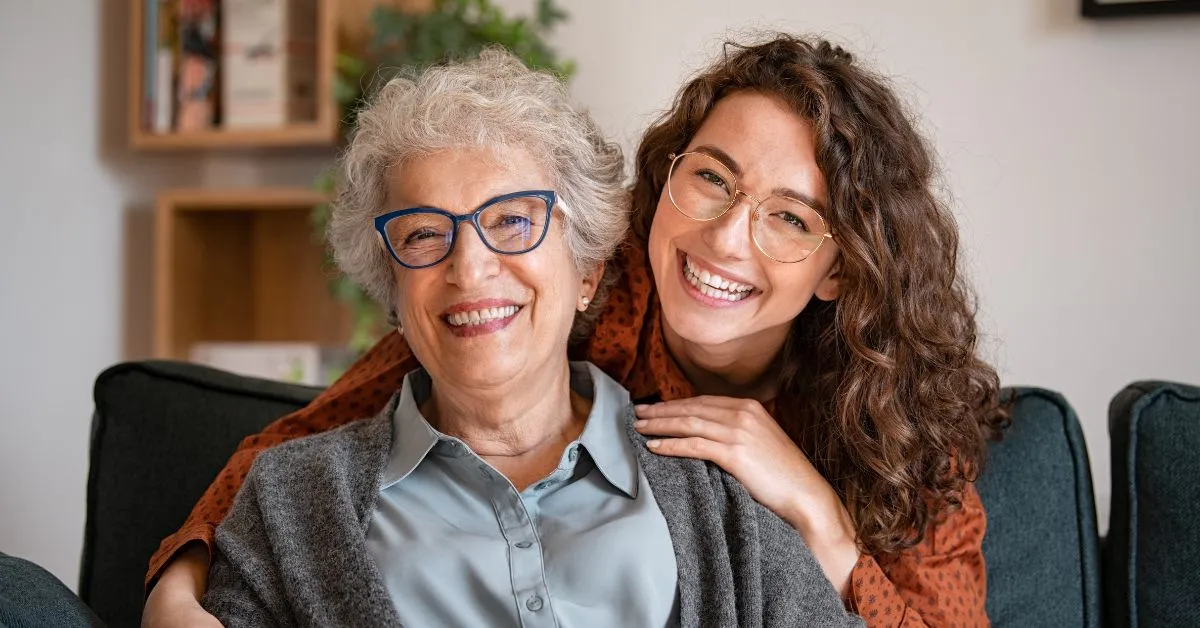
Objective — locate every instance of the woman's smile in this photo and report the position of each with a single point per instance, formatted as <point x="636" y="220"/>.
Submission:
<point x="712" y="286"/>
<point x="477" y="318"/>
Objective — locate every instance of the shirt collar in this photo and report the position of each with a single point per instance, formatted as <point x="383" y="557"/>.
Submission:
<point x="412" y="436"/>
<point x="603" y="435"/>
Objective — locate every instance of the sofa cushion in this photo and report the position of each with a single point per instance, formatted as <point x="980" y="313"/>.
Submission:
<point x="161" y="432"/>
<point x="1041" y="546"/>
<point x="1152" y="554"/>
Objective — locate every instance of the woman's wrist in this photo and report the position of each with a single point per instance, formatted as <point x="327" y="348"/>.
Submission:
<point x="829" y="532"/>
<point x="187" y="573"/>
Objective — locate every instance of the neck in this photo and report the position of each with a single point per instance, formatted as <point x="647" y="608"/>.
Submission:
<point x="521" y="426"/>
<point x="737" y="368"/>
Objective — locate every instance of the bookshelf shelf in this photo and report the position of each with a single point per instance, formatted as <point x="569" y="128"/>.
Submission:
<point x="321" y="131"/>
<point x="292" y="135"/>
<point x="241" y="265"/>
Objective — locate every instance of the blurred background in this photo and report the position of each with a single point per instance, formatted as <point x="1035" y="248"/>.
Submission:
<point x="135" y="227"/>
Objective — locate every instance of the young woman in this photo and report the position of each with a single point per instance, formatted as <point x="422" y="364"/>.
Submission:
<point x="792" y="264"/>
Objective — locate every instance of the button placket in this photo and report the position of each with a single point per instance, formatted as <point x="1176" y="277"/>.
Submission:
<point x="517" y="517"/>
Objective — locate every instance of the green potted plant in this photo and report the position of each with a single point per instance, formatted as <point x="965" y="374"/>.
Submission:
<point x="450" y="29"/>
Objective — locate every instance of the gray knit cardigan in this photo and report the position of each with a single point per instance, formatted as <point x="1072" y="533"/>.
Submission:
<point x="293" y="552"/>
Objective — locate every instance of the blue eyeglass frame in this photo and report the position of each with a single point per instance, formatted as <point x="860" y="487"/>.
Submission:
<point x="549" y="197"/>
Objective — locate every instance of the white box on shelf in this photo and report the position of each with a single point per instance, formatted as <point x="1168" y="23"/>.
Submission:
<point x="295" y="362"/>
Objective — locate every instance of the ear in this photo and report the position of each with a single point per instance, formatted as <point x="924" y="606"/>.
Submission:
<point x="831" y="285"/>
<point x="591" y="282"/>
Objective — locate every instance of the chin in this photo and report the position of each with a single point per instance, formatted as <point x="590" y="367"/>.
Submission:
<point x="700" y="329"/>
<point x="476" y="370"/>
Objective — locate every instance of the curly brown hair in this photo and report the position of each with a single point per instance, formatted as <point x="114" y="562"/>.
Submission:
<point x="881" y="388"/>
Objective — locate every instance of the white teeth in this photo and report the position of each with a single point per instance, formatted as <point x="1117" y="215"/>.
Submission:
<point x="713" y="285"/>
<point x="478" y="317"/>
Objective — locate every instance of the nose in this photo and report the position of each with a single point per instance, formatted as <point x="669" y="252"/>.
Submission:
<point x="729" y="235"/>
<point x="471" y="263"/>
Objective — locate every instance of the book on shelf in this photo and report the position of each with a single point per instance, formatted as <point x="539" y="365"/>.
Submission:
<point x="159" y="52"/>
<point x="268" y="60"/>
<point x="235" y="64"/>
<point x="198" y="40"/>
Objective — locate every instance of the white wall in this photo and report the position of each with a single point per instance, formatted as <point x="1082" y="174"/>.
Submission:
<point x="60" y="276"/>
<point x="1072" y="148"/>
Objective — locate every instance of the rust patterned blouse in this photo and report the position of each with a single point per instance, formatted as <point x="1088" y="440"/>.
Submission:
<point x="940" y="582"/>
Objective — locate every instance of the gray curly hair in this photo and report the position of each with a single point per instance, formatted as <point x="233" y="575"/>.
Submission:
<point x="491" y="101"/>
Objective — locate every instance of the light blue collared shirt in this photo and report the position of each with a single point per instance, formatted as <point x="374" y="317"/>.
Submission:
<point x="585" y="546"/>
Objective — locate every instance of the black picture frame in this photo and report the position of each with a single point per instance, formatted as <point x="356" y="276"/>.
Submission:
<point x="1095" y="8"/>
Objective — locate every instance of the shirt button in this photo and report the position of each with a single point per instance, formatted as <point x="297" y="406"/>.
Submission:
<point x="534" y="603"/>
<point x="524" y="544"/>
<point x="573" y="454"/>
<point x="483" y="470"/>
<point x="543" y="485"/>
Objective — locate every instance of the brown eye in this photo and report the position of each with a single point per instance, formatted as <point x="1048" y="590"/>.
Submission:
<point x="713" y="178"/>
<point x="792" y="220"/>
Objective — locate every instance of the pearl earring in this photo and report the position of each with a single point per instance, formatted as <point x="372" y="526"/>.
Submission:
<point x="584" y="302"/>
<point x="393" y="319"/>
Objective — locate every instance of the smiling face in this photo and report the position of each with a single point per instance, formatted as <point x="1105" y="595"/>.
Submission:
<point x="479" y="318"/>
<point x="717" y="288"/>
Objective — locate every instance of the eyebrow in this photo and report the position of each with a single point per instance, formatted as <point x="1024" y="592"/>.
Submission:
<point x="728" y="162"/>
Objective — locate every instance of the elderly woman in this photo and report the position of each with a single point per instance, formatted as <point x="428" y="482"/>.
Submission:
<point x="502" y="485"/>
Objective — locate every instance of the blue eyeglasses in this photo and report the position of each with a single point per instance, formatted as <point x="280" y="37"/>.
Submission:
<point x="512" y="224"/>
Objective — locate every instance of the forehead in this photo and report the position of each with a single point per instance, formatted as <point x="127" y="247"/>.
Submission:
<point x="460" y="179"/>
<point x="771" y="145"/>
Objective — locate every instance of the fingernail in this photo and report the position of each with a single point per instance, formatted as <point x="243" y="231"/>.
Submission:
<point x="640" y="423"/>
<point x="640" y="407"/>
<point x="653" y="444"/>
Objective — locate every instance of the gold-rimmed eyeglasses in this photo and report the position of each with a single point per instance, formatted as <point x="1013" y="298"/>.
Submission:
<point x="785" y="229"/>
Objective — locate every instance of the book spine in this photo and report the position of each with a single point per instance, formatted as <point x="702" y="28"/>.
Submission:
<point x="166" y="16"/>
<point x="302" y="61"/>
<point x="149" y="63"/>
<point x="197" y="65"/>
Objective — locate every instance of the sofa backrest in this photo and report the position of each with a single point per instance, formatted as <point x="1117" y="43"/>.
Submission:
<point x="1041" y="546"/>
<point x="160" y="433"/>
<point x="163" y="430"/>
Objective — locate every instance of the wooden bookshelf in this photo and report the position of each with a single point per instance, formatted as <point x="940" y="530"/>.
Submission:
<point x="323" y="131"/>
<point x="241" y="265"/>
<point x="341" y="25"/>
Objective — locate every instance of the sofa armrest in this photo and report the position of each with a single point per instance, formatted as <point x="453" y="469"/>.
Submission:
<point x="31" y="597"/>
<point x="160" y="433"/>
<point x="1152" y="553"/>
